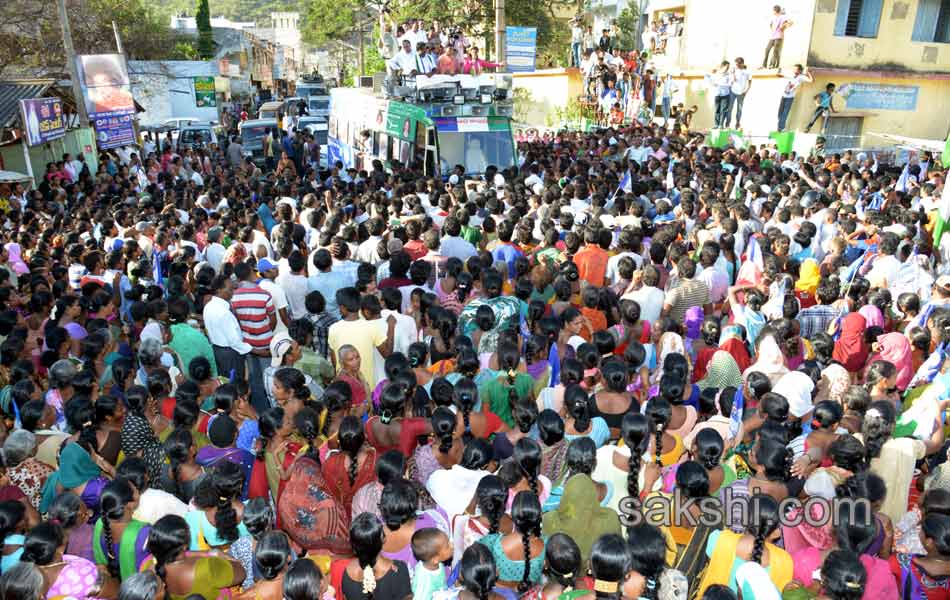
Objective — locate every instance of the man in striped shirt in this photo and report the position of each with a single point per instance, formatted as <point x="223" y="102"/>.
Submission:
<point x="255" y="311"/>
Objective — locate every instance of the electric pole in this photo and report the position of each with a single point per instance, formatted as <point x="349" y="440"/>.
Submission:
<point x="362" y="62"/>
<point x="71" y="63"/>
<point x="500" y="31"/>
<point x="118" y="38"/>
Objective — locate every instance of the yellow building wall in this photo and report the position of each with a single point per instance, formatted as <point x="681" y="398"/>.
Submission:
<point x="930" y="120"/>
<point x="539" y="94"/>
<point x="891" y="50"/>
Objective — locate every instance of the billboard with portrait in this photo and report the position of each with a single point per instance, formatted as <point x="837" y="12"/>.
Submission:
<point x="107" y="93"/>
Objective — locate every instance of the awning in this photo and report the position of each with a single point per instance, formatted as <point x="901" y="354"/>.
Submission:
<point x="10" y="95"/>
<point x="935" y="146"/>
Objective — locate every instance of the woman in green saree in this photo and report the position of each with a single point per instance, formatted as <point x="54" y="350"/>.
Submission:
<point x="210" y="575"/>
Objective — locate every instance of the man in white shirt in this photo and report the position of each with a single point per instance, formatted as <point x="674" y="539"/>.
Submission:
<point x="886" y="266"/>
<point x="405" y="60"/>
<point x="577" y="40"/>
<point x="268" y="272"/>
<point x="741" y="82"/>
<point x="367" y="251"/>
<point x="534" y="177"/>
<point x="649" y="297"/>
<point x="637" y="151"/>
<point x="224" y="331"/>
<point x="452" y="244"/>
<point x="295" y="285"/>
<point x="627" y="243"/>
<point x="214" y="251"/>
<point x="792" y="85"/>
<point x="406" y="331"/>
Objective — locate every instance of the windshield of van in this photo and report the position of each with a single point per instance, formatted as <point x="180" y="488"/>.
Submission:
<point x="319" y="104"/>
<point x="253" y="137"/>
<point x="192" y="136"/>
<point x="476" y="150"/>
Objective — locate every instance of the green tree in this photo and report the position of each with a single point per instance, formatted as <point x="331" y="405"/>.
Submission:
<point x="333" y="20"/>
<point x="31" y="40"/>
<point x="628" y="24"/>
<point x="205" y="35"/>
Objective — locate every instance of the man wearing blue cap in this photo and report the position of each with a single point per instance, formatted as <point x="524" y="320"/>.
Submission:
<point x="268" y="271"/>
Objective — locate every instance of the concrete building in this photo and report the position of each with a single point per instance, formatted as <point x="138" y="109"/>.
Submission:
<point x="166" y="89"/>
<point x="185" y="23"/>
<point x="890" y="61"/>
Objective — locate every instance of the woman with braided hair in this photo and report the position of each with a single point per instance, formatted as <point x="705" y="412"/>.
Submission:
<point x="65" y="575"/>
<point x="519" y="554"/>
<point x="479" y="424"/>
<point x="562" y="571"/>
<point x="485" y="515"/>
<point x="478" y="578"/>
<point x="393" y="428"/>
<point x="707" y="449"/>
<point x="581" y="419"/>
<point x="276" y="450"/>
<point x="81" y="469"/>
<point x="184" y="573"/>
<point x="401" y="518"/>
<point x="771" y="462"/>
<point x="628" y="467"/>
<point x="665" y="447"/>
<point x="445" y="449"/>
<point x="523" y="471"/>
<point x="311" y="517"/>
<point x="70" y="513"/>
<point x="118" y="540"/>
<point x="217" y="521"/>
<point x="511" y="386"/>
<point x="184" y="474"/>
<point x="610" y="562"/>
<point x="137" y="433"/>
<point x="352" y="467"/>
<point x="371" y="575"/>
<point x="727" y="550"/>
<point x="648" y="576"/>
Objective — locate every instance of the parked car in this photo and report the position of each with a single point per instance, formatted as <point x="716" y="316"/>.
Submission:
<point x="253" y="133"/>
<point x="196" y="135"/>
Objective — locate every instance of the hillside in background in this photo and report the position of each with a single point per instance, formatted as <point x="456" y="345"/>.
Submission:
<point x="236" y="10"/>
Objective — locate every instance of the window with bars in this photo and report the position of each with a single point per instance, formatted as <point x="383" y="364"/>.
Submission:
<point x="858" y="18"/>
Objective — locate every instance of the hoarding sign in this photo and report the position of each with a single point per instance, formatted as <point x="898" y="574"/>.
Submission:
<point x="113" y="131"/>
<point x="43" y="120"/>
<point x="204" y="92"/>
<point x="521" y="49"/>
<point x="107" y="92"/>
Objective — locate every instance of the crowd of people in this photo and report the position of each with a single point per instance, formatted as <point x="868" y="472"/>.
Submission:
<point x="376" y="384"/>
<point x="412" y="49"/>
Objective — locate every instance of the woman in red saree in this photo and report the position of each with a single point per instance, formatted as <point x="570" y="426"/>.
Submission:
<point x="350" y="374"/>
<point x="308" y="514"/>
<point x="352" y="467"/>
